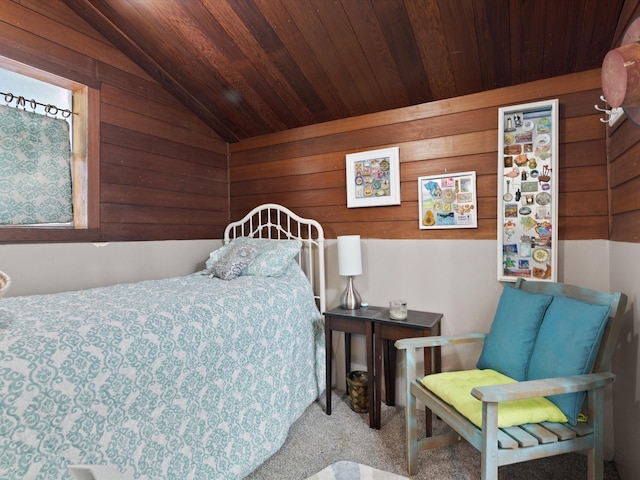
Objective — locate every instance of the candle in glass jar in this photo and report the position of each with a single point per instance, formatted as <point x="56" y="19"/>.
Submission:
<point x="398" y="309"/>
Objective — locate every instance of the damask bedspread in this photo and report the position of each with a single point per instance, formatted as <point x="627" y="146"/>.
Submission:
<point x="184" y="378"/>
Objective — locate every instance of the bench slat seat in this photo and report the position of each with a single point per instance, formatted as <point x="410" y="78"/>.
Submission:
<point x="562" y="431"/>
<point x="506" y="441"/>
<point x="542" y="434"/>
<point x="521" y="436"/>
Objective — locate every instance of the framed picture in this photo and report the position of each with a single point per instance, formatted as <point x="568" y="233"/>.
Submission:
<point x="528" y="191"/>
<point x="447" y="201"/>
<point x="373" y="178"/>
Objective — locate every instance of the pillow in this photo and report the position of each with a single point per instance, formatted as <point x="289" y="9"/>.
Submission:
<point x="567" y="344"/>
<point x="273" y="259"/>
<point x="274" y="256"/>
<point x="508" y="346"/>
<point x="455" y="389"/>
<point x="219" y="253"/>
<point x="234" y="261"/>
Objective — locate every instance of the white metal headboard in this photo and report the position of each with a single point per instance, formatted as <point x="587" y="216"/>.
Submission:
<point x="277" y="222"/>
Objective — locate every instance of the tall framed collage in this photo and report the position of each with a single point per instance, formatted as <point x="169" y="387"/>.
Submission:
<point x="528" y="191"/>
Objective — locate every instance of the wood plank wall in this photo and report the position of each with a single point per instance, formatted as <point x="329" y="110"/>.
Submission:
<point x="163" y="172"/>
<point x="624" y="167"/>
<point x="304" y="169"/>
<point x="624" y="152"/>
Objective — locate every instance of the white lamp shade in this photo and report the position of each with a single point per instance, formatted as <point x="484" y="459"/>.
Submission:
<point x="349" y="258"/>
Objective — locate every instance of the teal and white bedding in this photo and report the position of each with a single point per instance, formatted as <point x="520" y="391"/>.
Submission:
<point x="184" y="378"/>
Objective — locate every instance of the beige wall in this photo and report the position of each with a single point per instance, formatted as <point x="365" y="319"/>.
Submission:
<point x="455" y="277"/>
<point x="625" y="276"/>
<point x="57" y="267"/>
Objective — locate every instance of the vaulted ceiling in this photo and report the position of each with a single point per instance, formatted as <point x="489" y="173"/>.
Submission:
<point x="253" y="67"/>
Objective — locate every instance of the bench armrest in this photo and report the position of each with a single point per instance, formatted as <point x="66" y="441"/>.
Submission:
<point x="439" y="341"/>
<point x="542" y="388"/>
<point x="411" y="346"/>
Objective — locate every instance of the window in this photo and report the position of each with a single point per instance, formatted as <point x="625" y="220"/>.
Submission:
<point x="35" y="152"/>
<point x="33" y="90"/>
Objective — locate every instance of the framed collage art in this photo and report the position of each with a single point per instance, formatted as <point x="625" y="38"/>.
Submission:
<point x="447" y="201"/>
<point x="528" y="191"/>
<point x="373" y="178"/>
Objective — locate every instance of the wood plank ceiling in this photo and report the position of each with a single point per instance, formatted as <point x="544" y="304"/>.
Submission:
<point x="254" y="67"/>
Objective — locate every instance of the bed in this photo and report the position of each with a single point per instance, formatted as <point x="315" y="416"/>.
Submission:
<point x="195" y="377"/>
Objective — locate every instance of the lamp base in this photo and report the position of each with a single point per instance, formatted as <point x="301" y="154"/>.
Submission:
<point x="350" y="298"/>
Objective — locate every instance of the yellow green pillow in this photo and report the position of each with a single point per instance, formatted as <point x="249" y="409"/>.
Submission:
<point x="455" y="389"/>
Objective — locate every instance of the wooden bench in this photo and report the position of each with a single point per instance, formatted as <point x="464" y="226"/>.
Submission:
<point x="529" y="441"/>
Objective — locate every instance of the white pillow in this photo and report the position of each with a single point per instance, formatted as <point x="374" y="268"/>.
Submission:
<point x="272" y="260"/>
<point x="220" y="252"/>
<point x="274" y="256"/>
<point x="234" y="261"/>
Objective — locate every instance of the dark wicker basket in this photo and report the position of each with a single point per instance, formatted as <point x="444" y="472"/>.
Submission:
<point x="358" y="381"/>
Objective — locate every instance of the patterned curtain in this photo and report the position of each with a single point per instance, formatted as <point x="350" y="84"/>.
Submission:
<point x="35" y="168"/>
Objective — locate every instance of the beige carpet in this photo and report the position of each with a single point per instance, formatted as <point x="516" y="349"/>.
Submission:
<point x="317" y="441"/>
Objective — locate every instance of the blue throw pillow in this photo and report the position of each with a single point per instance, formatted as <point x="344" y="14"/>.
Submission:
<point x="507" y="349"/>
<point x="567" y="344"/>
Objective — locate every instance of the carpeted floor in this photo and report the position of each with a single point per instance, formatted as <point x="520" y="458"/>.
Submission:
<point x="317" y="440"/>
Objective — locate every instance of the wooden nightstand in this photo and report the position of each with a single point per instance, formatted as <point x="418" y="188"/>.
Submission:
<point x="359" y="321"/>
<point x="387" y="331"/>
<point x="375" y="322"/>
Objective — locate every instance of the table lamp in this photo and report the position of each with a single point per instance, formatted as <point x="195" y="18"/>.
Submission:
<point x="349" y="264"/>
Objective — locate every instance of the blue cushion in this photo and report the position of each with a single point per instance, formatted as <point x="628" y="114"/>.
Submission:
<point x="507" y="349"/>
<point x="567" y="344"/>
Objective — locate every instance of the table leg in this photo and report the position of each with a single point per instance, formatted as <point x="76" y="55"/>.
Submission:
<point x="390" y="362"/>
<point x="427" y="352"/>
<point x="385" y="336"/>
<point x="328" y="343"/>
<point x="371" y="376"/>
<point x="378" y="352"/>
<point x="347" y="359"/>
